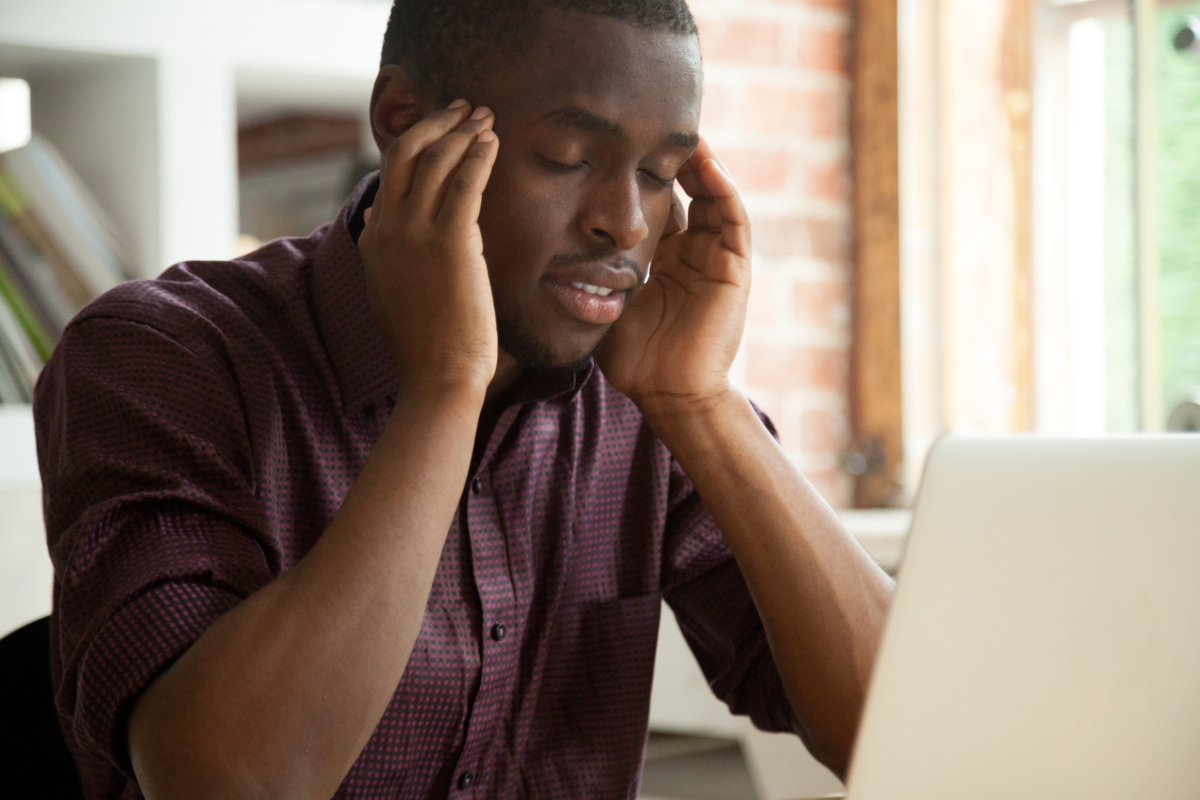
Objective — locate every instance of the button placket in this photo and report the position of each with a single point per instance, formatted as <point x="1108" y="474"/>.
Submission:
<point x="490" y="559"/>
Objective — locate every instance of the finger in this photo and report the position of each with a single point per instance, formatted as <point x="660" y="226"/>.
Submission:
<point x="703" y="214"/>
<point x="734" y="221"/>
<point x="678" y="219"/>
<point x="464" y="192"/>
<point x="363" y="237"/>
<point x="689" y="177"/>
<point x="399" y="163"/>
<point x="440" y="161"/>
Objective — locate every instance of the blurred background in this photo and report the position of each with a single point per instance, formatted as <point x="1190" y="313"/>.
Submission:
<point x="969" y="215"/>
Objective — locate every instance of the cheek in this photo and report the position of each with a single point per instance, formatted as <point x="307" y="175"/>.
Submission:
<point x="521" y="217"/>
<point x="522" y="229"/>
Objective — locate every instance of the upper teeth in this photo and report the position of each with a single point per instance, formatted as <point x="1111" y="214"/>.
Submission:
<point x="587" y="287"/>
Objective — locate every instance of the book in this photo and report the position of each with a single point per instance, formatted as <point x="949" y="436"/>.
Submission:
<point x="12" y="297"/>
<point x="22" y="361"/>
<point x="70" y="214"/>
<point x="294" y="172"/>
<point x="34" y="280"/>
<point x="14" y="205"/>
<point x="57" y="254"/>
<point x="10" y="388"/>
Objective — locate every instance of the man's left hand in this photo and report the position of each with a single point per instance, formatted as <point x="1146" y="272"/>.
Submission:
<point x="673" y="346"/>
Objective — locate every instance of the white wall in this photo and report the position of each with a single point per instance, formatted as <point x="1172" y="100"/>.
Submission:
<point x="25" y="572"/>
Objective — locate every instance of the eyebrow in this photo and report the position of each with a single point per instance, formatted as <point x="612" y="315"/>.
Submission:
<point x="573" y="116"/>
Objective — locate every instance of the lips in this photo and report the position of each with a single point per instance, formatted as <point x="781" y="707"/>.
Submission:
<point x="592" y="292"/>
<point x="585" y="302"/>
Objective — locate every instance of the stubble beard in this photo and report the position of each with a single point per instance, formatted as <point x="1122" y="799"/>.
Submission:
<point x="516" y="340"/>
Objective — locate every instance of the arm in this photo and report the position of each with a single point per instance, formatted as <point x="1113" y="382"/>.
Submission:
<point x="821" y="598"/>
<point x="266" y="703"/>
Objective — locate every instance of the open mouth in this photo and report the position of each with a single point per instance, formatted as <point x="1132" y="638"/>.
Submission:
<point x="600" y="291"/>
<point x="586" y="302"/>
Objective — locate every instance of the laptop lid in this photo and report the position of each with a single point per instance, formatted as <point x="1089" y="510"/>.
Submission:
<point x="1044" y="640"/>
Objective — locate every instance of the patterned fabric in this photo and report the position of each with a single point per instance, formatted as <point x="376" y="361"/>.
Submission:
<point x="196" y="435"/>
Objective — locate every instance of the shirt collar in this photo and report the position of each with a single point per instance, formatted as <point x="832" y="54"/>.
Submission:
<point x="361" y="359"/>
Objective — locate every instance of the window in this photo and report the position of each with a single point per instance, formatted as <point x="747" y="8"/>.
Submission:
<point x="1050" y="216"/>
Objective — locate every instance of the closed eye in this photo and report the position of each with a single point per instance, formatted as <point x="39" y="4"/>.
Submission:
<point x="558" y="166"/>
<point x="666" y="183"/>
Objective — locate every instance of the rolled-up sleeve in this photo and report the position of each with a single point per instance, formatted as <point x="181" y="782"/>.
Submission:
<point x="706" y="590"/>
<point x="151" y="515"/>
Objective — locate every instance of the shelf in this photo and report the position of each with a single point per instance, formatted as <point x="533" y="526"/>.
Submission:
<point x="143" y="98"/>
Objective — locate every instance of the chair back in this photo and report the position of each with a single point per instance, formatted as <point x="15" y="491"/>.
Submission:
<point x="34" y="759"/>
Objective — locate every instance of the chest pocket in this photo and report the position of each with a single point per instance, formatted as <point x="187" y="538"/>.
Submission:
<point x="593" y="705"/>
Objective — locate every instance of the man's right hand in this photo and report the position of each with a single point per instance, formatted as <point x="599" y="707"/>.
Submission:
<point x="281" y="694"/>
<point x="422" y="251"/>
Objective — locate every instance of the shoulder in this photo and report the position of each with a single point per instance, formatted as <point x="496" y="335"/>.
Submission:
<point x="257" y="285"/>
<point x="206" y="304"/>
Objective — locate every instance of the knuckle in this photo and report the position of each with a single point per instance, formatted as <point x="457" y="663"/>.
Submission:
<point x="462" y="183"/>
<point x="433" y="154"/>
<point x="404" y="148"/>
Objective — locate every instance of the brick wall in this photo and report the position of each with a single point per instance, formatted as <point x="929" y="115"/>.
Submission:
<point x="776" y="106"/>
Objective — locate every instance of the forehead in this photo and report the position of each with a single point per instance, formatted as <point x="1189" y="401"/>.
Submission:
<point x="631" y="75"/>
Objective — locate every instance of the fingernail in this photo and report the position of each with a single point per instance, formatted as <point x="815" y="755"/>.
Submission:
<point x="486" y="136"/>
<point x="481" y="112"/>
<point x="724" y="171"/>
<point x="459" y="103"/>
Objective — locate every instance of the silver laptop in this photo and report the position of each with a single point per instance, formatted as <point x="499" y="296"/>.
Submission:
<point x="1044" y="640"/>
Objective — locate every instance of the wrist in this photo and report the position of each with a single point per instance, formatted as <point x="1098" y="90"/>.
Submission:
<point x="668" y="414"/>
<point x="464" y="394"/>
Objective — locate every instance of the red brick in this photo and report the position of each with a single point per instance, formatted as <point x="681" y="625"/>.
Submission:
<point x="829" y="181"/>
<point x="721" y="107"/>
<point x="824" y="49"/>
<point x="835" y="4"/>
<point x="740" y="41"/>
<point x="796" y="367"/>
<point x="764" y="307"/>
<point x="823" y="431"/>
<point x="757" y="170"/>
<point x="798" y="236"/>
<point x="776" y="109"/>
<point x="824" y="304"/>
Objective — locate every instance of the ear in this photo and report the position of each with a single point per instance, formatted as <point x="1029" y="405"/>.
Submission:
<point x="397" y="103"/>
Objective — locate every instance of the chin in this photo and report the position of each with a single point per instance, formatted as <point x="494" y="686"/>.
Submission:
<point x="531" y="351"/>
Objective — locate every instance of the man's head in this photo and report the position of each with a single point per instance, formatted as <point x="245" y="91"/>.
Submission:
<point x="450" y="44"/>
<point x="597" y="107"/>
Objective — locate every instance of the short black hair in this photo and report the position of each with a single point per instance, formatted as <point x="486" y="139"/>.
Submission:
<point x="442" y="42"/>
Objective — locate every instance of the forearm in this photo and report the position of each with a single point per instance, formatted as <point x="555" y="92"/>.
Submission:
<point x="821" y="598"/>
<point x="280" y="695"/>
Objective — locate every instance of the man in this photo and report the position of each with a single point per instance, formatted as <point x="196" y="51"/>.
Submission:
<point x="358" y="516"/>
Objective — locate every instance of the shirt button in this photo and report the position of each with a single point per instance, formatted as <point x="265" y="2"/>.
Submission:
<point x="465" y="780"/>
<point x="499" y="631"/>
<point x="477" y="486"/>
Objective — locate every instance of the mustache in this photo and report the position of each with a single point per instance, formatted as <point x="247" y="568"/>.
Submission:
<point x="615" y="262"/>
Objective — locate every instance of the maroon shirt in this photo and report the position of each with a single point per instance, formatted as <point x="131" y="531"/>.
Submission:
<point x="196" y="434"/>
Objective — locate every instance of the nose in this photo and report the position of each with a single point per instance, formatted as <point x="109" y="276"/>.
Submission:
<point x="613" y="213"/>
